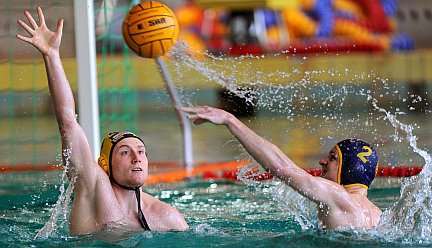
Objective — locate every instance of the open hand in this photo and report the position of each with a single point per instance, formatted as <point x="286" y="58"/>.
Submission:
<point x="42" y="38"/>
<point x="201" y="114"/>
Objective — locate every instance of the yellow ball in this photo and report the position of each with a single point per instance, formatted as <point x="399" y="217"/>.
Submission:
<point x="150" y="29"/>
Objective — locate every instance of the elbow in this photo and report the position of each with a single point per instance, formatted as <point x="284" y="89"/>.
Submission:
<point x="281" y="161"/>
<point x="279" y="166"/>
<point x="284" y="168"/>
<point x="182" y="224"/>
<point x="66" y="121"/>
<point x="184" y="227"/>
<point x="65" y="128"/>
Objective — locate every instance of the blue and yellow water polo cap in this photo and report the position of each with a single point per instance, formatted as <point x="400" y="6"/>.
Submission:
<point x="358" y="163"/>
<point x="107" y="147"/>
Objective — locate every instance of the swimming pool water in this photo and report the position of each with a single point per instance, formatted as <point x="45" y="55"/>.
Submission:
<point x="220" y="214"/>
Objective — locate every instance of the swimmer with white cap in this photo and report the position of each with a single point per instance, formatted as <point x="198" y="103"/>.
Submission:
<point x="341" y="191"/>
<point x="108" y="193"/>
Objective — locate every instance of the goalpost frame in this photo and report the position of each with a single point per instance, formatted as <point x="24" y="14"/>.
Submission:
<point x="85" y="45"/>
<point x="88" y="103"/>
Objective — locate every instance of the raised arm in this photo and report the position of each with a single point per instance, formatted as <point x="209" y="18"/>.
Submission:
<point x="267" y="154"/>
<point x="72" y="135"/>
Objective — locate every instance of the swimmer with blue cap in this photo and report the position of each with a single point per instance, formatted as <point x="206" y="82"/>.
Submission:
<point x="107" y="193"/>
<point x="341" y="191"/>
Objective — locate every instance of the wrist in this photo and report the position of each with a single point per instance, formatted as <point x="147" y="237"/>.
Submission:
<point x="52" y="56"/>
<point x="229" y="119"/>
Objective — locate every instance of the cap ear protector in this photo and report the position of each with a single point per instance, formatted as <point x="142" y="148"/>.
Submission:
<point x="107" y="147"/>
<point x="103" y="163"/>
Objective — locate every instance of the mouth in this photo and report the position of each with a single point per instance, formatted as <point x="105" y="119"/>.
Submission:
<point x="137" y="169"/>
<point x="324" y="171"/>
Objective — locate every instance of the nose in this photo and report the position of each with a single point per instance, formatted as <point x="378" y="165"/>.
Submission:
<point x="323" y="161"/>
<point x="136" y="157"/>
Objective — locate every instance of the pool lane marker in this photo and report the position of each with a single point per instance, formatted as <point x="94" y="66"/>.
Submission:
<point x="169" y="172"/>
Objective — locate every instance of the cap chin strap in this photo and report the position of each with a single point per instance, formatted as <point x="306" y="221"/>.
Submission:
<point x="141" y="218"/>
<point x="137" y="190"/>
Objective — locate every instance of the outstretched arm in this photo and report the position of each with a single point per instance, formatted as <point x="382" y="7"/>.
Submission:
<point x="266" y="153"/>
<point x="48" y="43"/>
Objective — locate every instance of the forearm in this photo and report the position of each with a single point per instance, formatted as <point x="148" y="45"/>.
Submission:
<point x="274" y="160"/>
<point x="76" y="150"/>
<point x="263" y="151"/>
<point x="60" y="90"/>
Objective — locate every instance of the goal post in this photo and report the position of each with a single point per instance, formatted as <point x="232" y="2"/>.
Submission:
<point x="87" y="73"/>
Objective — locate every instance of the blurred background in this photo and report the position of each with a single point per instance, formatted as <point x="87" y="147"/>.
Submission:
<point x="240" y="55"/>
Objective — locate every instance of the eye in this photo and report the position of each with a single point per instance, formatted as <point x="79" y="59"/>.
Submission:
<point x="332" y="156"/>
<point x="125" y="152"/>
<point x="141" y="152"/>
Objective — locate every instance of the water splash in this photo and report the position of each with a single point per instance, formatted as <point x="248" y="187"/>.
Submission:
<point x="287" y="92"/>
<point x="60" y="211"/>
<point x="299" y="207"/>
<point x="224" y="76"/>
<point x="302" y="210"/>
<point x="206" y="229"/>
<point x="410" y="217"/>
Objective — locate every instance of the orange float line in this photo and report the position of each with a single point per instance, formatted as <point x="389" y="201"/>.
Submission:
<point x="169" y="172"/>
<point x="29" y="167"/>
<point x="178" y="175"/>
<point x="166" y="171"/>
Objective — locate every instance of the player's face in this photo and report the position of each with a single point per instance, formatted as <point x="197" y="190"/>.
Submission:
<point x="330" y="165"/>
<point x="130" y="163"/>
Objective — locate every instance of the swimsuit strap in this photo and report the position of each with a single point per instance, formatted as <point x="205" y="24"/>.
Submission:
<point x="137" y="190"/>
<point x="141" y="217"/>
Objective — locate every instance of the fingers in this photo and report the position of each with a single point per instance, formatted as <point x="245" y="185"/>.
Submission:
<point x="199" y="121"/>
<point x="60" y="26"/>
<point x="34" y="26"/>
<point x="196" y="119"/>
<point x="23" y="38"/>
<point x="192" y="116"/>
<point x="26" y="27"/>
<point x="31" y="20"/>
<point x="40" y="15"/>
<point x="198" y="109"/>
<point x="187" y="109"/>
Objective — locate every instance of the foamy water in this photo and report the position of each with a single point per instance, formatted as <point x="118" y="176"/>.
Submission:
<point x="59" y="218"/>
<point x="410" y="218"/>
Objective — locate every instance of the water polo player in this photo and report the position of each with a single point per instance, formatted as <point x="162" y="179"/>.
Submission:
<point x="106" y="196"/>
<point x="341" y="192"/>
